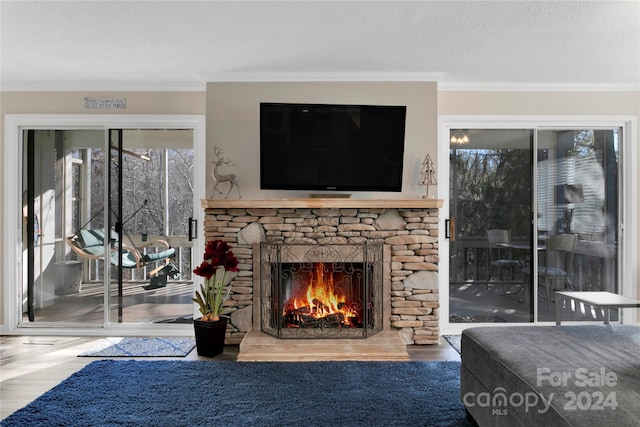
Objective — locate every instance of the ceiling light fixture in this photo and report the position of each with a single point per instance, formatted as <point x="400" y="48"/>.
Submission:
<point x="459" y="137"/>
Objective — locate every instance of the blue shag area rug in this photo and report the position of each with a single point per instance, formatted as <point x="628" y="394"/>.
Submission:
<point x="142" y="347"/>
<point x="207" y="393"/>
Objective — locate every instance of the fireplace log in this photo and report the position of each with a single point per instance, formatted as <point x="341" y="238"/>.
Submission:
<point x="335" y="318"/>
<point x="296" y="319"/>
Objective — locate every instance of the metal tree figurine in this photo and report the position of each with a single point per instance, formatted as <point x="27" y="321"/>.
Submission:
<point x="218" y="177"/>
<point x="428" y="175"/>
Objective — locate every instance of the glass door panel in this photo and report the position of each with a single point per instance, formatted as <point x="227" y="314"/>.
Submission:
<point x="577" y="200"/>
<point x="56" y="284"/>
<point x="490" y="211"/>
<point x="152" y="171"/>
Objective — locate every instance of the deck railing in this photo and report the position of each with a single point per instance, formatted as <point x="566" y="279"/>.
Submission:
<point x="594" y="266"/>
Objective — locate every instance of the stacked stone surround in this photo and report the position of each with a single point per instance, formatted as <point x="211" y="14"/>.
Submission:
<point x="411" y="234"/>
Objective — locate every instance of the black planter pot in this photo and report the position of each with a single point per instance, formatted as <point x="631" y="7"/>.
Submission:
<point x="210" y="336"/>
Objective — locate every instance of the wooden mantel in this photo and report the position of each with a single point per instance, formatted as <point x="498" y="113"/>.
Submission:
<point x="313" y="202"/>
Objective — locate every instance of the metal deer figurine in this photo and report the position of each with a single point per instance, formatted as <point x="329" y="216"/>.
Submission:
<point x="218" y="177"/>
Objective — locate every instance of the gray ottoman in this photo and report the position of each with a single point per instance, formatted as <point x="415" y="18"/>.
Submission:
<point x="580" y="375"/>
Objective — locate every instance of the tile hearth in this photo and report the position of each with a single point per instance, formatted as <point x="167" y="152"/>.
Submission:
<point x="260" y="347"/>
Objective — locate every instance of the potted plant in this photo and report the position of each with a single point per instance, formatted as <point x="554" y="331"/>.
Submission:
<point x="210" y="329"/>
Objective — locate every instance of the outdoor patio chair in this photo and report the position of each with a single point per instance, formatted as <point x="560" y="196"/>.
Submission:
<point x="563" y="246"/>
<point x="500" y="256"/>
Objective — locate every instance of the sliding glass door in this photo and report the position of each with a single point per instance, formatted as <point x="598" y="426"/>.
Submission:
<point x="577" y="175"/>
<point x="105" y="219"/>
<point x="531" y="212"/>
<point x="490" y="212"/>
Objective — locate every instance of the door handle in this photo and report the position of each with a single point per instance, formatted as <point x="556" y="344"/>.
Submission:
<point x="193" y="231"/>
<point x="450" y="228"/>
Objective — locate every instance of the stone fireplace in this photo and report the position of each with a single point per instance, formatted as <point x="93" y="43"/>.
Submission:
<point x="406" y="229"/>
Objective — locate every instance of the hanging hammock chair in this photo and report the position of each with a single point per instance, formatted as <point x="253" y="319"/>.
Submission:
<point x="90" y="244"/>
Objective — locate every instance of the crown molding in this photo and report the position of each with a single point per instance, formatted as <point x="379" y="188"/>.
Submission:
<point x="538" y="87"/>
<point x="365" y="76"/>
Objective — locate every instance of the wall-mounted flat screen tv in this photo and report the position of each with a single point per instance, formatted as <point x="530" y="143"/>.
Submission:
<point x="331" y="147"/>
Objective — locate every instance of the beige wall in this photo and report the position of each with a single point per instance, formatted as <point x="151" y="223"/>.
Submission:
<point x="174" y="103"/>
<point x="233" y="123"/>
<point x="539" y="103"/>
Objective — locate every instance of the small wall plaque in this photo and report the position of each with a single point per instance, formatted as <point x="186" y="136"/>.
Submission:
<point x="105" y="103"/>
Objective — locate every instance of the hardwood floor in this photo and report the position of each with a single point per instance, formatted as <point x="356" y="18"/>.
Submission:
<point x="31" y="365"/>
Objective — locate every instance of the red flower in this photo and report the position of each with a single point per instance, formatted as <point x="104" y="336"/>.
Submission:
<point x="205" y="270"/>
<point x="231" y="262"/>
<point x="217" y="253"/>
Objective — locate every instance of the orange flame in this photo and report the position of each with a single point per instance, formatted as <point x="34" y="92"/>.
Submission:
<point x="320" y="299"/>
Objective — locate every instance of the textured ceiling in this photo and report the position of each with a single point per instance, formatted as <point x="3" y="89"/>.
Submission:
<point x="87" y="44"/>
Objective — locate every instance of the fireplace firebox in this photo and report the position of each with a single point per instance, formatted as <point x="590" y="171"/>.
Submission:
<point x="321" y="290"/>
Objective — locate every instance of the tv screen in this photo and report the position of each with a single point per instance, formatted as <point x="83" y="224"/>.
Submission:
<point x="331" y="147"/>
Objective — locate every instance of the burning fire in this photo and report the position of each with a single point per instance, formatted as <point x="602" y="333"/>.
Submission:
<point x="320" y="301"/>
